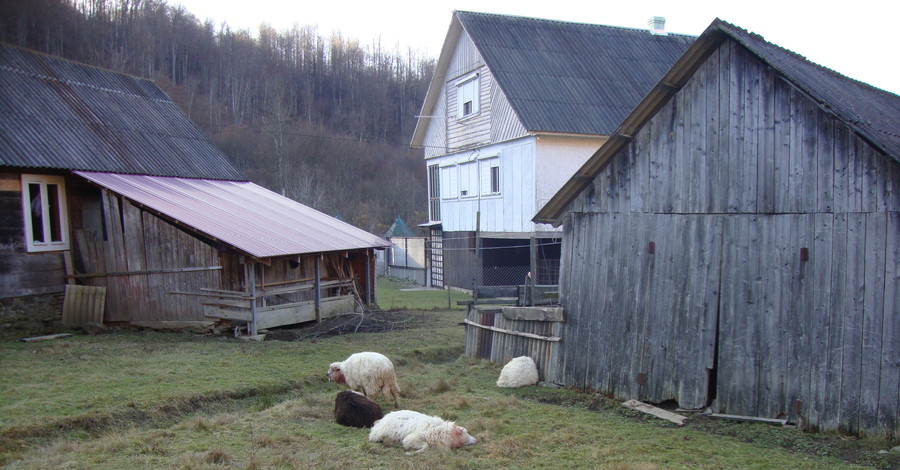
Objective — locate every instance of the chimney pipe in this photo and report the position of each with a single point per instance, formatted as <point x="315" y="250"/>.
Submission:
<point x="657" y="26"/>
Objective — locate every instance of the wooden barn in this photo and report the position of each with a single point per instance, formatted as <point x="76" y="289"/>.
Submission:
<point x="108" y="190"/>
<point x="736" y="244"/>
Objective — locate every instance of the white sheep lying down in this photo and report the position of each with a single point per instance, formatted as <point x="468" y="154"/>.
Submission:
<point x="518" y="372"/>
<point x="368" y="372"/>
<point x="416" y="431"/>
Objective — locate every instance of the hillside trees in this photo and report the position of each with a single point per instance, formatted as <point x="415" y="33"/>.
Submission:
<point x="323" y="120"/>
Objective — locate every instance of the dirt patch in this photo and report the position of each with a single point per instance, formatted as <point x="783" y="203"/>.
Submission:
<point x="369" y="322"/>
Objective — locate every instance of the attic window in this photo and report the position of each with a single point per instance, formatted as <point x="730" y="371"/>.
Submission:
<point x="467" y="96"/>
<point x="44" y="213"/>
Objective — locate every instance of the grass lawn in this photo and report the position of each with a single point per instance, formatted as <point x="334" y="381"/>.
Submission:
<point x="184" y="401"/>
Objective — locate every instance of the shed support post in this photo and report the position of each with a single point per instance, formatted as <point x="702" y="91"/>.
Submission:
<point x="369" y="290"/>
<point x="534" y="273"/>
<point x="318" y="289"/>
<point x="251" y="282"/>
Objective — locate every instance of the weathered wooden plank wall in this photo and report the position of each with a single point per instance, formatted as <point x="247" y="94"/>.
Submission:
<point x="740" y="252"/>
<point x="500" y="347"/>
<point x="139" y="241"/>
<point x="23" y="273"/>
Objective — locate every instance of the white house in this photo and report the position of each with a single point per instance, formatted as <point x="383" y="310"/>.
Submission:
<point x="515" y="107"/>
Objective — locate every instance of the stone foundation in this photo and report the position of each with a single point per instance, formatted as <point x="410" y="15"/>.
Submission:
<point x="34" y="314"/>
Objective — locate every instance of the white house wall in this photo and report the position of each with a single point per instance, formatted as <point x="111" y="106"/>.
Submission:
<point x="557" y="159"/>
<point x="509" y="211"/>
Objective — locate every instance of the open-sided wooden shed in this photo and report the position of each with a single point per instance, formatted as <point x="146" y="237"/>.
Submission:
<point x="104" y="182"/>
<point x="734" y="245"/>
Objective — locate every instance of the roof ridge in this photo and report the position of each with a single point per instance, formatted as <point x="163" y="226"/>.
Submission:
<point x="566" y="22"/>
<point x="719" y="23"/>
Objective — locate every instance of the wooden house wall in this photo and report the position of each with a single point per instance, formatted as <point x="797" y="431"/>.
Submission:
<point x="742" y="251"/>
<point x="23" y="273"/>
<point x="139" y="242"/>
<point x="505" y="123"/>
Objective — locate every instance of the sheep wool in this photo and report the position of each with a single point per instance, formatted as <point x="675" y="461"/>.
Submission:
<point x="368" y="372"/>
<point x="415" y="431"/>
<point x="519" y="372"/>
<point x="353" y="409"/>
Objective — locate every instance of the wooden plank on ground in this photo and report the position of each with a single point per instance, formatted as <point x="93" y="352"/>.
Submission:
<point x="658" y="412"/>
<point x="45" y="337"/>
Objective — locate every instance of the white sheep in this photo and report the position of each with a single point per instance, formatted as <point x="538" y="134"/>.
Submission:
<point x="368" y="372"/>
<point x="416" y="431"/>
<point x="519" y="372"/>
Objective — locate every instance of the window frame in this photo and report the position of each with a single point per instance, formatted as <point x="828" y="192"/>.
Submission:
<point x="434" y="192"/>
<point x="486" y="173"/>
<point x="466" y="86"/>
<point x="61" y="212"/>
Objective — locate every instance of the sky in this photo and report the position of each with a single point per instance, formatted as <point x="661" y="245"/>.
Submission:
<point x="860" y="39"/>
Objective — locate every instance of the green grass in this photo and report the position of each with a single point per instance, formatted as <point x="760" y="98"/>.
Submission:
<point x="394" y="294"/>
<point x="184" y="401"/>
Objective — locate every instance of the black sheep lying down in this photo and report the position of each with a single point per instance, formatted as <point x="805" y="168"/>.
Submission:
<point x="354" y="409"/>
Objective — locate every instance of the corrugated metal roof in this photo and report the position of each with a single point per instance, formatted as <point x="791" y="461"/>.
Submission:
<point x="571" y="77"/>
<point x="59" y="114"/>
<point x="873" y="112"/>
<point x="244" y="215"/>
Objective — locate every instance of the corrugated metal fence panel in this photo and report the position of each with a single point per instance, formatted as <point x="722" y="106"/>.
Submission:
<point x="83" y="305"/>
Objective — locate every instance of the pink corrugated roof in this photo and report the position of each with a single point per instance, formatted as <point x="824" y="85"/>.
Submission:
<point x="247" y="216"/>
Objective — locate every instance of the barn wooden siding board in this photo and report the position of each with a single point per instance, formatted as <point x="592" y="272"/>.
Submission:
<point x="140" y="241"/>
<point x="778" y="225"/>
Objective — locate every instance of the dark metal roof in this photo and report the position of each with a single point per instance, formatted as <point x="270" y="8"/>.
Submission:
<point x="873" y="113"/>
<point x="571" y="77"/>
<point x="243" y="215"/>
<point x="399" y="229"/>
<point x="60" y="114"/>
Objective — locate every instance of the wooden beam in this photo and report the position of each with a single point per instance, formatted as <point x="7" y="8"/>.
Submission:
<point x="753" y="419"/>
<point x="144" y="272"/>
<point x="511" y="332"/>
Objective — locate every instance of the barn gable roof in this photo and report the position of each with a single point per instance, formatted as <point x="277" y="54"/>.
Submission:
<point x="59" y="114"/>
<point x="229" y="212"/>
<point x="561" y="77"/>
<point x="873" y="113"/>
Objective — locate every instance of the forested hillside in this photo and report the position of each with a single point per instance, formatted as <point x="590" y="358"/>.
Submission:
<point x="323" y="120"/>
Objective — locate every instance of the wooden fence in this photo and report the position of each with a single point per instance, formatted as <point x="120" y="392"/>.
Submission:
<point x="500" y="333"/>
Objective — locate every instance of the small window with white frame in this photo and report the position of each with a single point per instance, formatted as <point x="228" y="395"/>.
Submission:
<point x="44" y="213"/>
<point x="467" y="91"/>
<point x="490" y="176"/>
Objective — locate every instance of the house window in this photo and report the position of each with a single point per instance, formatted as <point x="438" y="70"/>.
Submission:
<point x="467" y="96"/>
<point x="468" y="179"/>
<point x="490" y="176"/>
<point x="434" y="192"/>
<point x="495" y="179"/>
<point x="44" y="212"/>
